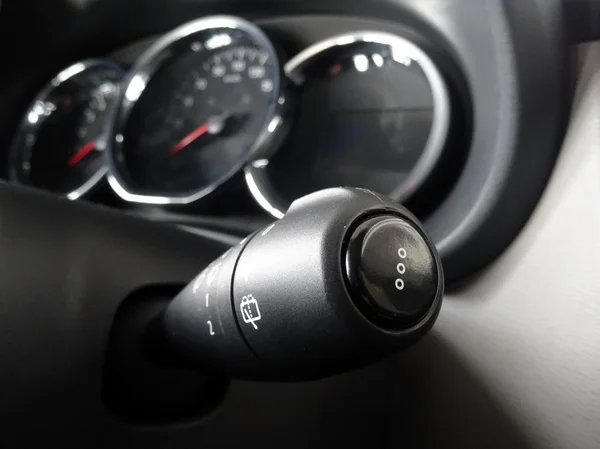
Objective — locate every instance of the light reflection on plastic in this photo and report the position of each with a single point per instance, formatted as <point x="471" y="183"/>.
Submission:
<point x="377" y="59"/>
<point x="68" y="73"/>
<point x="274" y="124"/>
<point x="219" y="40"/>
<point x="361" y="62"/>
<point x="399" y="55"/>
<point x="345" y="40"/>
<point x="135" y="88"/>
<point x="260" y="198"/>
<point x="32" y="118"/>
<point x="260" y="163"/>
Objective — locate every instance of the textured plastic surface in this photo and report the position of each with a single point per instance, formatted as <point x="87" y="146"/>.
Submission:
<point x="292" y="272"/>
<point x="582" y="20"/>
<point x="65" y="267"/>
<point x="277" y="305"/>
<point x="200" y="326"/>
<point x="513" y="360"/>
<point x="139" y="387"/>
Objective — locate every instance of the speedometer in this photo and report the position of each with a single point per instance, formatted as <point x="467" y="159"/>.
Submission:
<point x="59" y="144"/>
<point x="198" y="105"/>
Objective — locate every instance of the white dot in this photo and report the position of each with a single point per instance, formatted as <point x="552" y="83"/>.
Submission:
<point x="201" y="84"/>
<point x="218" y="70"/>
<point x="266" y="85"/>
<point x="378" y="59"/>
<point x="218" y="40"/>
<point x="361" y="62"/>
<point x="399" y="284"/>
<point x="119" y="138"/>
<point x="90" y="116"/>
<point x="32" y="118"/>
<point x="238" y="66"/>
<point x="256" y="71"/>
<point x="39" y="108"/>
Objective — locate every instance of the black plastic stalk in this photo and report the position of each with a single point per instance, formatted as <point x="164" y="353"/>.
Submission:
<point x="345" y="278"/>
<point x="582" y="20"/>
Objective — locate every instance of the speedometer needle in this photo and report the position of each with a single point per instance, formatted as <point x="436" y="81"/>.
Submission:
<point x="201" y="130"/>
<point x="213" y="126"/>
<point x="81" y="153"/>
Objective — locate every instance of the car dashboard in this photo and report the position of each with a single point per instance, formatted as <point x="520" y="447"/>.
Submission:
<point x="283" y="103"/>
<point x="215" y="116"/>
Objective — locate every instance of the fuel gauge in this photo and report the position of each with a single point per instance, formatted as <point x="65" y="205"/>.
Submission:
<point x="60" y="141"/>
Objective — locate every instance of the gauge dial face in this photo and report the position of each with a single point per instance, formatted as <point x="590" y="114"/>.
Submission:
<point x="212" y="91"/>
<point x="59" y="144"/>
<point x="373" y="113"/>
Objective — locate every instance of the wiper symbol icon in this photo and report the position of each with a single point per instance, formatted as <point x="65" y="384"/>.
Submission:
<point x="250" y="311"/>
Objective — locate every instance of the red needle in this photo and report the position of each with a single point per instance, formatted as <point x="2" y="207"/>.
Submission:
<point x="81" y="153"/>
<point x="189" y="138"/>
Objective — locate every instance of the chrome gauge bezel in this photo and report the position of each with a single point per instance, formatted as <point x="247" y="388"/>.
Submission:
<point x="31" y="128"/>
<point x="255" y="173"/>
<point x="140" y="75"/>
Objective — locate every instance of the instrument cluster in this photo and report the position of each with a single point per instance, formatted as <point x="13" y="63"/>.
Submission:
<point x="216" y="98"/>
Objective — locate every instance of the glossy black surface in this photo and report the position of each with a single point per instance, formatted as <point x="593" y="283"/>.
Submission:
<point x="58" y="146"/>
<point x="391" y="270"/>
<point x="364" y="119"/>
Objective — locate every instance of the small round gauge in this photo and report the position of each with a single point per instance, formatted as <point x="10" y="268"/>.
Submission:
<point x="374" y="113"/>
<point x="196" y="107"/>
<point x="59" y="144"/>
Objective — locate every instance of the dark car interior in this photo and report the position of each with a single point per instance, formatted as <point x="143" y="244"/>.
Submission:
<point x="300" y="224"/>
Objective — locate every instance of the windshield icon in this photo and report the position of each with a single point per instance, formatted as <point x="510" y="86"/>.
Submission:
<point x="250" y="310"/>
